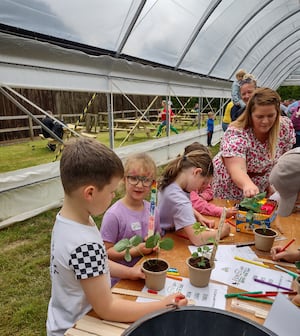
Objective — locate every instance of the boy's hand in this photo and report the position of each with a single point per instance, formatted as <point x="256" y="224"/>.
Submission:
<point x="177" y="299"/>
<point x="136" y="272"/>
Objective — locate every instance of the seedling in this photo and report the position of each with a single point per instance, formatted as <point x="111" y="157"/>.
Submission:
<point x="154" y="241"/>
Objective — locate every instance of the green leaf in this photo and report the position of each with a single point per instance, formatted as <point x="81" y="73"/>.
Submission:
<point x="121" y="245"/>
<point x="127" y="256"/>
<point x="135" y="240"/>
<point x="166" y="244"/>
<point x="153" y="240"/>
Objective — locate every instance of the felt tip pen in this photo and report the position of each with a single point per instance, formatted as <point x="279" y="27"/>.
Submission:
<point x="294" y="275"/>
<point x="245" y="244"/>
<point x="152" y="291"/>
<point x="254" y="299"/>
<point x="232" y="295"/>
<point x="251" y="262"/>
<point x="272" y="284"/>
<point x="287" y="245"/>
<point x="174" y="277"/>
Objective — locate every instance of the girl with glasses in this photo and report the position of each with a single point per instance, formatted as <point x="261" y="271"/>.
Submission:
<point x="129" y="216"/>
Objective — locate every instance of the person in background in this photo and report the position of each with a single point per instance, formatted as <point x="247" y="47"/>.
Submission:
<point x="48" y="122"/>
<point x="80" y="270"/>
<point x="129" y="216"/>
<point x="163" y="116"/>
<point x="210" y="127"/>
<point x="295" y="119"/>
<point x="226" y="118"/>
<point x="54" y="126"/>
<point x="285" y="178"/>
<point x="251" y="147"/>
<point x="235" y="89"/>
<point x="247" y="87"/>
<point x="292" y="256"/>
<point x="200" y="201"/>
<point x="186" y="173"/>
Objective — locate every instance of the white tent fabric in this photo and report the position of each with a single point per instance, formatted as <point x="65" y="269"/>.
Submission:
<point x="27" y="192"/>
<point x="207" y="41"/>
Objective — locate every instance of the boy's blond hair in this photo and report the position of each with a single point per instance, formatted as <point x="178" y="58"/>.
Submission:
<point x="210" y="114"/>
<point x="86" y="161"/>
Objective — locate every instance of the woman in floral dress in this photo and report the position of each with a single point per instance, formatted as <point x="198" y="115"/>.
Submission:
<point x="251" y="146"/>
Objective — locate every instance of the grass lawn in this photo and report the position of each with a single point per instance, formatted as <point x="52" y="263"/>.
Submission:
<point x="24" y="252"/>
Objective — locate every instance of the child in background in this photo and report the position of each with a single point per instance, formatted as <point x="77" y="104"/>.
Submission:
<point x="186" y="173"/>
<point x="235" y="89"/>
<point x="129" y="216"/>
<point x="210" y="127"/>
<point x="163" y="116"/>
<point x="80" y="271"/>
<point x="200" y="200"/>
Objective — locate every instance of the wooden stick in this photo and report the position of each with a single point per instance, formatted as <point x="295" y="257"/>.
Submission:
<point x="258" y="312"/>
<point x="146" y="295"/>
<point x="221" y="224"/>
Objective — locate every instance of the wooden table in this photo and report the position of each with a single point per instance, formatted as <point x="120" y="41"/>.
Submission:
<point x="288" y="227"/>
<point x="134" y="125"/>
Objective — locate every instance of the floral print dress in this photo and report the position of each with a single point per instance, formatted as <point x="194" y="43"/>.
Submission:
<point x="243" y="143"/>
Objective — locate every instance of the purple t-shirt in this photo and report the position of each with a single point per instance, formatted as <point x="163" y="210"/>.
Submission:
<point x="175" y="208"/>
<point x="120" y="222"/>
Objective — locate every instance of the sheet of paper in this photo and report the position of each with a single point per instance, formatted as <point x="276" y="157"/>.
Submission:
<point x="284" y="317"/>
<point x="240" y="274"/>
<point x="211" y="296"/>
<point x="228" y="252"/>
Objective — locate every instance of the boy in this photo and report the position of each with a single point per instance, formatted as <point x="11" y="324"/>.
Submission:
<point x="210" y="127"/>
<point x="80" y="270"/>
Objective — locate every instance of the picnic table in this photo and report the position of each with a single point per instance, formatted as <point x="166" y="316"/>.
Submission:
<point x="287" y="228"/>
<point x="132" y="126"/>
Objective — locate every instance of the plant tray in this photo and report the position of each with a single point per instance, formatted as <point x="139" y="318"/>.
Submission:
<point x="259" y="219"/>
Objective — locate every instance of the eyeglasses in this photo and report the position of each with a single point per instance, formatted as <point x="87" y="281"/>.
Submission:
<point x="134" y="180"/>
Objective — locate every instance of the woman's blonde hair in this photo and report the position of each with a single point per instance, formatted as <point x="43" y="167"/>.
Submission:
<point x="261" y="97"/>
<point x="197" y="158"/>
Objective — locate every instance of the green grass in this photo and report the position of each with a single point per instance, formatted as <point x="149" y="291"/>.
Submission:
<point x="24" y="253"/>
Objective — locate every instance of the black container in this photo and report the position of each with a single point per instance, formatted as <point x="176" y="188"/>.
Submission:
<point x="194" y="321"/>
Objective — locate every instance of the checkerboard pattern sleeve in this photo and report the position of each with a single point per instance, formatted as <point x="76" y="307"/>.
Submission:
<point x="88" y="260"/>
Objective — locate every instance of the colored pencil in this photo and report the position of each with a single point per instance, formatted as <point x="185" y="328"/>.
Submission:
<point x="272" y="284"/>
<point x="287" y="245"/>
<point x="251" y="262"/>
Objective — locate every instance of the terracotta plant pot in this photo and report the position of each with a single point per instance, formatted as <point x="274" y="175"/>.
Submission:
<point x="155" y="272"/>
<point x="264" y="238"/>
<point x="199" y="277"/>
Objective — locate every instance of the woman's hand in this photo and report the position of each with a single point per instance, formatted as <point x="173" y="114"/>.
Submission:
<point x="250" y="190"/>
<point x="290" y="256"/>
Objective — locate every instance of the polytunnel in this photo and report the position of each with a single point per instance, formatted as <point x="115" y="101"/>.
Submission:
<point x="188" y="48"/>
<point x="148" y="46"/>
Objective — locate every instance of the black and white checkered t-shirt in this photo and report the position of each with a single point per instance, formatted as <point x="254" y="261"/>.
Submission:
<point x="88" y="260"/>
